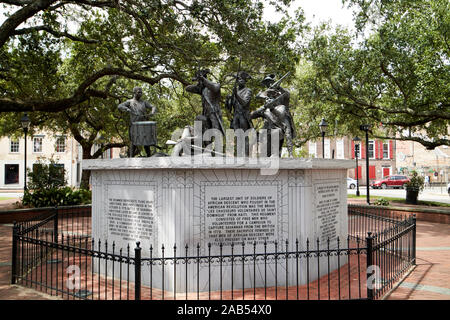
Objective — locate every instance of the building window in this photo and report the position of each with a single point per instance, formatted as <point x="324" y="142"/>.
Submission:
<point x="61" y="144"/>
<point x="78" y="172"/>
<point x="340" y="149"/>
<point x="371" y="149"/>
<point x="37" y="144"/>
<point x="386" y="150"/>
<point x="14" y="146"/>
<point x="358" y="150"/>
<point x="11" y="173"/>
<point x="312" y="149"/>
<point x="57" y="173"/>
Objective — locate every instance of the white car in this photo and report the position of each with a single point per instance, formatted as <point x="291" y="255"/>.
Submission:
<point x="351" y="183"/>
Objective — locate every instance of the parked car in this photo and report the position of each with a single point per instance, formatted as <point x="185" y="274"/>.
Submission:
<point x="351" y="183"/>
<point x="448" y="188"/>
<point x="392" y="181"/>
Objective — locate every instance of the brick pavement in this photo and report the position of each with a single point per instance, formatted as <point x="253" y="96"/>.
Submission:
<point x="430" y="280"/>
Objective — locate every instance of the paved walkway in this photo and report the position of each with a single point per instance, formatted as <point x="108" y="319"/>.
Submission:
<point x="8" y="204"/>
<point x="430" y="280"/>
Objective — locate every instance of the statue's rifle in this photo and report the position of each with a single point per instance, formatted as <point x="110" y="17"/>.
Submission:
<point x="274" y="86"/>
<point x="236" y="81"/>
<point x="277" y="83"/>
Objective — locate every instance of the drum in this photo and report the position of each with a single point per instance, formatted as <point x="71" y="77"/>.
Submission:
<point x="143" y="133"/>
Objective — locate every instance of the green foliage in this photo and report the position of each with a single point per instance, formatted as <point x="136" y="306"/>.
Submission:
<point x="381" y="202"/>
<point x="392" y="74"/>
<point x="158" y="46"/>
<point x="46" y="176"/>
<point x="63" y="196"/>
<point x="416" y="182"/>
<point x="47" y="187"/>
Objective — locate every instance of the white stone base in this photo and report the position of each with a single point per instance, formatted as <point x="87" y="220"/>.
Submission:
<point x="179" y="201"/>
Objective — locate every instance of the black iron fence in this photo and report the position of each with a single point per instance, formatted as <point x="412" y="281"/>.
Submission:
<point x="57" y="255"/>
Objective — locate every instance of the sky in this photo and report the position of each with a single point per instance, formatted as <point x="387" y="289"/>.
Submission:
<point x="317" y="11"/>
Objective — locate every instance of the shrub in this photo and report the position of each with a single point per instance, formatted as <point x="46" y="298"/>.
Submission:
<point x="48" y="185"/>
<point x="381" y="202"/>
<point x="46" y="175"/>
<point x="416" y="183"/>
<point x="65" y="196"/>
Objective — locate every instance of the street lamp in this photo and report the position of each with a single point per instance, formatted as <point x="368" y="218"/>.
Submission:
<point x="357" y="141"/>
<point x="323" y="128"/>
<point x="25" y="125"/>
<point x="366" y="128"/>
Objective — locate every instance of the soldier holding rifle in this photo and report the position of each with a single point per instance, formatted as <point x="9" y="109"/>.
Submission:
<point x="275" y="112"/>
<point x="210" y="93"/>
<point x="239" y="103"/>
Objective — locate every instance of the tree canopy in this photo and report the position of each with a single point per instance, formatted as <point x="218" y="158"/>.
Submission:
<point x="393" y="73"/>
<point x="151" y="42"/>
<point x="71" y="62"/>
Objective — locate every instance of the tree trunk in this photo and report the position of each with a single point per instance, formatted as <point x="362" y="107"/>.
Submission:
<point x="86" y="174"/>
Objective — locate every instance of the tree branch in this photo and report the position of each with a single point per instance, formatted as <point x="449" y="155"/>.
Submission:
<point x="430" y="145"/>
<point x="55" y="33"/>
<point x="82" y="93"/>
<point x="9" y="25"/>
<point x="108" y="146"/>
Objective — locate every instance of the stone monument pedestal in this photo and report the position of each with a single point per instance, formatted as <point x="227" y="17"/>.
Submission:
<point x="191" y="202"/>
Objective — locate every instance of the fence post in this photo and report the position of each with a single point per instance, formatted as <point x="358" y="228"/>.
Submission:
<point x="14" y="254"/>
<point x="414" y="240"/>
<point x="137" y="272"/>
<point x="369" y="241"/>
<point x="55" y="225"/>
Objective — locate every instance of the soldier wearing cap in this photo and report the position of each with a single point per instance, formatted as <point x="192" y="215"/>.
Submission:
<point x="275" y="113"/>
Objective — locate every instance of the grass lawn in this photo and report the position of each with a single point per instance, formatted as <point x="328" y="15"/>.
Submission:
<point x="6" y="198"/>
<point x="402" y="200"/>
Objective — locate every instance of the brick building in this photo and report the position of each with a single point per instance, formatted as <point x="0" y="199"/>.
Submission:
<point x="382" y="156"/>
<point x="432" y="163"/>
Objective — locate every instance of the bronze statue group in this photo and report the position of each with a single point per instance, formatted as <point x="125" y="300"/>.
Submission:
<point x="275" y="113"/>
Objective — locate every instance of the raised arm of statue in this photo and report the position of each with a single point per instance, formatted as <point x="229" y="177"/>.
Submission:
<point x="214" y="87"/>
<point x="194" y="88"/>
<point x="281" y="99"/>
<point x="124" y="106"/>
<point x="244" y="96"/>
<point x="258" y="113"/>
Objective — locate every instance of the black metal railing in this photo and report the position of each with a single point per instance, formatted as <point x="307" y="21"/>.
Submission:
<point x="57" y="255"/>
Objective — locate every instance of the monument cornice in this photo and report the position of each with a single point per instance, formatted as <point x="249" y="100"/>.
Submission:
<point x="202" y="162"/>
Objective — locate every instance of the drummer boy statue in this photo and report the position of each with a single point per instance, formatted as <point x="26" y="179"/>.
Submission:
<point x="137" y="109"/>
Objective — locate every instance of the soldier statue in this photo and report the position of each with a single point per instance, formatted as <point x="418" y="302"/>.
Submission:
<point x="137" y="109"/>
<point x="210" y="93"/>
<point x="276" y="114"/>
<point x="239" y="103"/>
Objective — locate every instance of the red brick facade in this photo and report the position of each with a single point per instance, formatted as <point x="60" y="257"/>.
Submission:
<point x="381" y="156"/>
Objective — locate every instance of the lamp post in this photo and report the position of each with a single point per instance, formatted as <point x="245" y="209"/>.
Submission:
<point x="357" y="141"/>
<point x="366" y="128"/>
<point x="323" y="128"/>
<point x="25" y="125"/>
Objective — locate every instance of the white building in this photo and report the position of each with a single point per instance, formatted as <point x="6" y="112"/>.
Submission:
<point x="64" y="149"/>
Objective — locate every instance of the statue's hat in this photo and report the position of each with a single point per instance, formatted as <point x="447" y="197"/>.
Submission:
<point x="268" y="80"/>
<point x="244" y="75"/>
